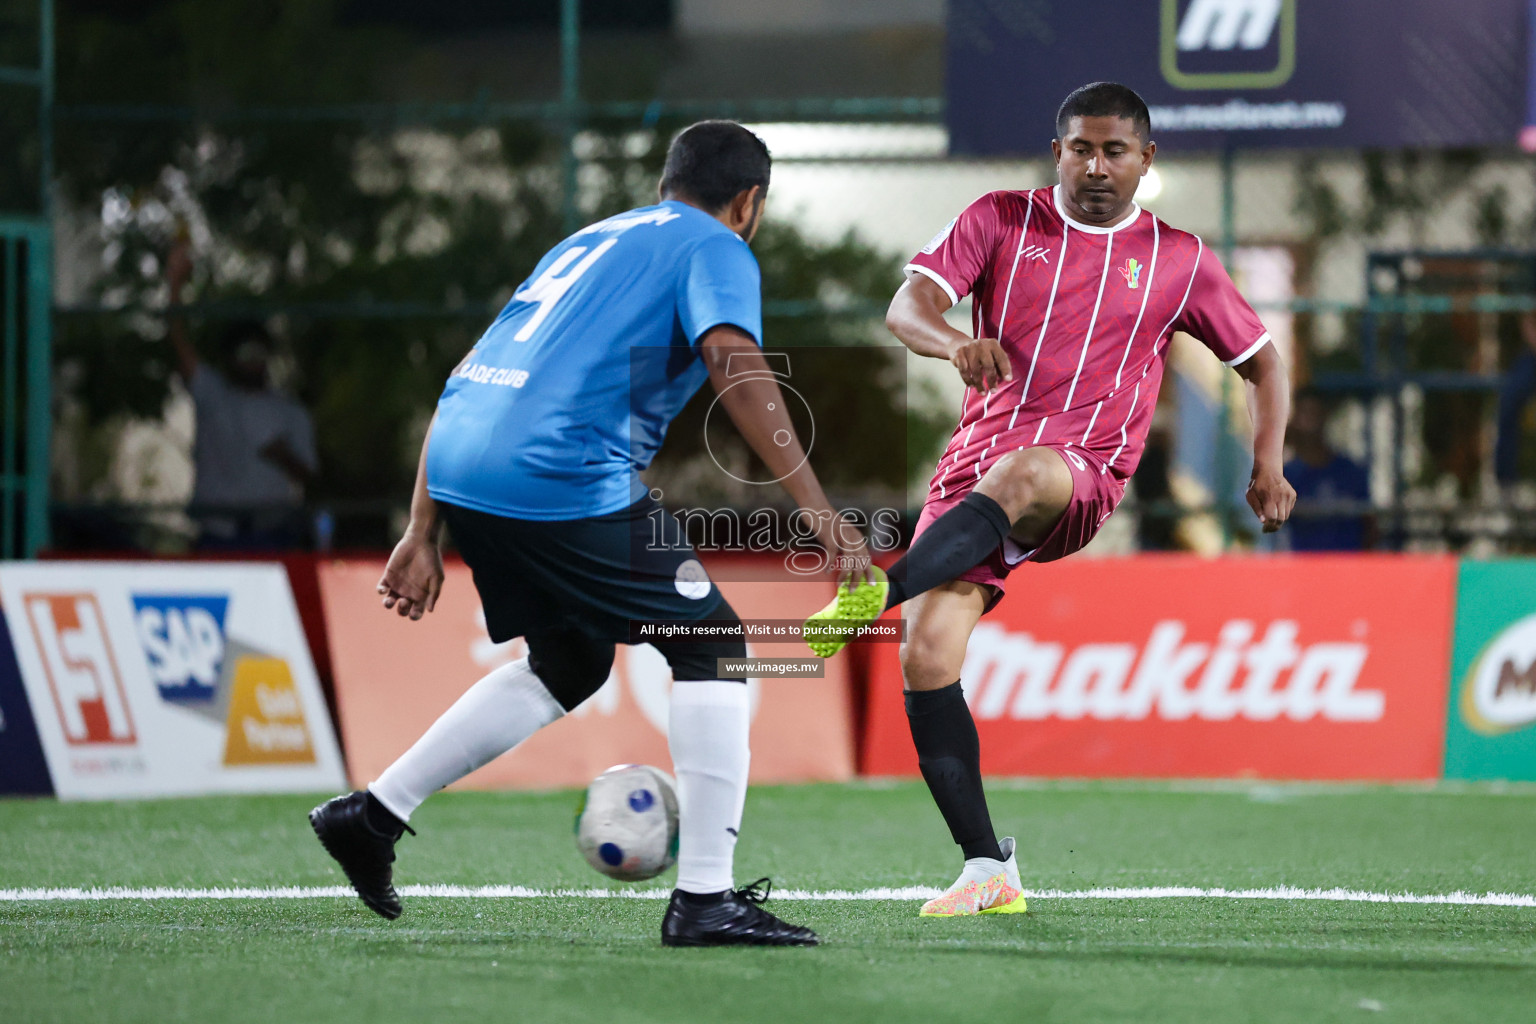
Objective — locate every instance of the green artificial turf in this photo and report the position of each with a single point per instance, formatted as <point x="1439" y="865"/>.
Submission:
<point x="280" y="961"/>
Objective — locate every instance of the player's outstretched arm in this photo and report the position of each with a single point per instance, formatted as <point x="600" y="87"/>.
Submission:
<point x="751" y="395"/>
<point x="413" y="577"/>
<point x="1269" y="403"/>
<point x="916" y="317"/>
<point x="178" y="270"/>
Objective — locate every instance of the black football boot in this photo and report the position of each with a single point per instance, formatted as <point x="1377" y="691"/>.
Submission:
<point x="732" y="919"/>
<point x="366" y="854"/>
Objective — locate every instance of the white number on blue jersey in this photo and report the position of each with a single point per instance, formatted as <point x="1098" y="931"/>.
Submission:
<point x="550" y="287"/>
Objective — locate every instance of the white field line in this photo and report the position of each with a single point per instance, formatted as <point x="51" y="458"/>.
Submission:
<point x="1281" y="893"/>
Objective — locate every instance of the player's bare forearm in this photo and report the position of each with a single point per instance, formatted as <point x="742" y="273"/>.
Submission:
<point x="1269" y="403"/>
<point x="178" y="271"/>
<point x="916" y="317"/>
<point x="423" y="524"/>
<point x="413" y="576"/>
<point x="752" y="398"/>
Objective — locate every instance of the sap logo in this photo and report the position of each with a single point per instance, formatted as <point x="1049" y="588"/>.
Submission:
<point x="1229" y="27"/>
<point x="183" y="641"/>
<point x="87" y="689"/>
<point x="1017" y="676"/>
<point x="1499" y="693"/>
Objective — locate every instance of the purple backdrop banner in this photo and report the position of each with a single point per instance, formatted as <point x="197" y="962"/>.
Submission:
<point x="1528" y="136"/>
<point x="1374" y="73"/>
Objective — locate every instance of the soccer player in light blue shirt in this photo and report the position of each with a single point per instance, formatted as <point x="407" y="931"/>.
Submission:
<point x="532" y="461"/>
<point x="569" y="393"/>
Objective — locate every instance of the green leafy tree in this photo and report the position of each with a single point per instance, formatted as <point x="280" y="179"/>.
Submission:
<point x="308" y="223"/>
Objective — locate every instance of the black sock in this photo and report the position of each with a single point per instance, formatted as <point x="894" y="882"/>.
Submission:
<point x="380" y="818"/>
<point x="958" y="540"/>
<point x="949" y="754"/>
<point x="701" y="899"/>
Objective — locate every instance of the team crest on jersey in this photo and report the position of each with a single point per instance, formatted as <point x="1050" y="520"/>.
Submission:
<point x="1132" y="273"/>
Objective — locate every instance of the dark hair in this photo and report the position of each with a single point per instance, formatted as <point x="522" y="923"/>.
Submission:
<point x="1105" y="99"/>
<point x="239" y="332"/>
<point x="713" y="162"/>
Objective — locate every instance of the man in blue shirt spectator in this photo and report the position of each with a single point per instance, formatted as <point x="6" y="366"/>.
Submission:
<point x="1323" y="477"/>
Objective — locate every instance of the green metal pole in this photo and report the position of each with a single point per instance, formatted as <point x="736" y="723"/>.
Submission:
<point x="570" y="103"/>
<point x="9" y="369"/>
<point x="1228" y="204"/>
<point x="45" y="107"/>
<point x="37" y="459"/>
<point x="39" y="387"/>
<point x="1226" y="443"/>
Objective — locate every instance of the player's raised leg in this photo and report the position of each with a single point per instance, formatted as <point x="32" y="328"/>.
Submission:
<point x="1032" y="487"/>
<point x="1023" y="495"/>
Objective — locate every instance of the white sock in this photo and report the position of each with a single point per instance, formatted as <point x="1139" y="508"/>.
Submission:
<point x="979" y="869"/>
<point x="708" y="736"/>
<point x="493" y="716"/>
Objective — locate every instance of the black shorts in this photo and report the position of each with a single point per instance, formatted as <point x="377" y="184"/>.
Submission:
<point x="599" y="575"/>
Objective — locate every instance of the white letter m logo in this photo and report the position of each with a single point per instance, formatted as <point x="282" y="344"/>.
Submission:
<point x="1223" y="24"/>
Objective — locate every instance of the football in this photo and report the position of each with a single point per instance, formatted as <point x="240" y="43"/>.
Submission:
<point x="626" y="824"/>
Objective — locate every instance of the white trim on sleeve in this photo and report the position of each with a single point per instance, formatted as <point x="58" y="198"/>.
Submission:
<point x="936" y="278"/>
<point x="1249" y="352"/>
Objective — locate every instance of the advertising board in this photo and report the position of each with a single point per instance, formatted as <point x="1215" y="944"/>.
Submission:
<point x="1308" y="667"/>
<point x="1296" y="73"/>
<point x="150" y="679"/>
<point x="1491" y="715"/>
<point x="23" y="769"/>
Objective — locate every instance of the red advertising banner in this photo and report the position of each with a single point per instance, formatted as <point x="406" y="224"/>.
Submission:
<point x="394" y="677"/>
<point x="1320" y="667"/>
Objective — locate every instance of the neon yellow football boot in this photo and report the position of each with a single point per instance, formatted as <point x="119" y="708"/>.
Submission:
<point x="984" y="887"/>
<point x="830" y="630"/>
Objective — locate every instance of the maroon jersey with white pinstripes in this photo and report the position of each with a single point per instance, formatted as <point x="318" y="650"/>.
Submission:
<point x="1085" y="314"/>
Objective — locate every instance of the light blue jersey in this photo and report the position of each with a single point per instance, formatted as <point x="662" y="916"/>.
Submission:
<point x="568" y="394"/>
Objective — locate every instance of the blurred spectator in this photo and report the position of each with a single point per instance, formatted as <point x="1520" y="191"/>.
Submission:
<point x="1158" y="520"/>
<point x="1324" y="477"/>
<point x="1515" y="393"/>
<point x="255" y="447"/>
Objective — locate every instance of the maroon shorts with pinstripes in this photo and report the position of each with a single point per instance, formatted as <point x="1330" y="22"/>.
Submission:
<point x="1095" y="494"/>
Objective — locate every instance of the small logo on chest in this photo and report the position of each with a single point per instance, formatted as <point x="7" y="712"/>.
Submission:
<point x="1036" y="253"/>
<point x="1132" y="273"/>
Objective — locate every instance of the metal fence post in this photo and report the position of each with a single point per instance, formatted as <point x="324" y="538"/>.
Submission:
<point x="1226" y="441"/>
<point x="45" y="108"/>
<point x="39" y="387"/>
<point x="570" y="103"/>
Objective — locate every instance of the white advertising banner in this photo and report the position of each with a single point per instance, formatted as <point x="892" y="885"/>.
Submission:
<point x="157" y="679"/>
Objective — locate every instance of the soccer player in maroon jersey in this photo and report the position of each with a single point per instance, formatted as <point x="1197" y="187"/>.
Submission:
<point x="1076" y="292"/>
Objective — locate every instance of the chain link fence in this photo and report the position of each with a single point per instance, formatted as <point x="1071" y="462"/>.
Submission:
<point x="374" y="241"/>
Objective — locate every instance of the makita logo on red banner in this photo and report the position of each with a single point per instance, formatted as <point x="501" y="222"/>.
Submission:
<point x="1243" y="672"/>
